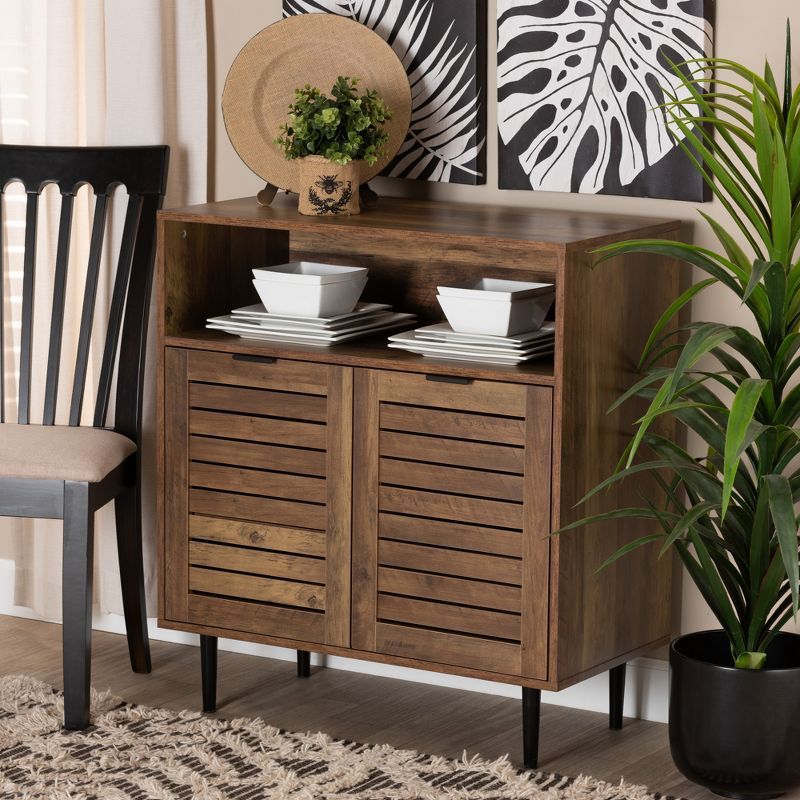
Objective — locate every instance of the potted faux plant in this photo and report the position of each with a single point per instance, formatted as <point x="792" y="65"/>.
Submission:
<point x="729" y="507"/>
<point x="332" y="136"/>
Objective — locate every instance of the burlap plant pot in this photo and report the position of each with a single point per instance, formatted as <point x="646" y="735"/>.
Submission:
<point x="328" y="189"/>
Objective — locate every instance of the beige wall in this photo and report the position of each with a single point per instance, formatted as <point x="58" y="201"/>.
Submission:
<point x="745" y="31"/>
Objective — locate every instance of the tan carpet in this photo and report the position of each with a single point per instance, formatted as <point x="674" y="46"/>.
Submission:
<point x="151" y="754"/>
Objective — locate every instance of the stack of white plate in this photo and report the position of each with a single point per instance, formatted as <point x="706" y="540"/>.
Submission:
<point x="441" y="341"/>
<point x="366" y="319"/>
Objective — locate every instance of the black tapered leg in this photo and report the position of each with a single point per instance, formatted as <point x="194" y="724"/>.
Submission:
<point x="208" y="668"/>
<point x="77" y="603"/>
<point x="531" y="712"/>
<point x="303" y="664"/>
<point x="616" y="696"/>
<point x="127" y="507"/>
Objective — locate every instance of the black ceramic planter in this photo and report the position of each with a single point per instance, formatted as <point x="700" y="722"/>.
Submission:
<point x="735" y="731"/>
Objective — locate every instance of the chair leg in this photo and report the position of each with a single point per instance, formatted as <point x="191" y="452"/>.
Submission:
<point x="77" y="603"/>
<point x="531" y="712"/>
<point x="127" y="508"/>
<point x="303" y="664"/>
<point x="616" y="696"/>
<point x="208" y="669"/>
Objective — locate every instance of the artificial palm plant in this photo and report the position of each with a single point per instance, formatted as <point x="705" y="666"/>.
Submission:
<point x="730" y="513"/>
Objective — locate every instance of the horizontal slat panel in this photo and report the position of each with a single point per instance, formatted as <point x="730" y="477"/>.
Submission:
<point x="477" y="427"/>
<point x="486" y="397"/>
<point x="451" y="590"/>
<point x="288" y="405"/>
<point x="253" y="534"/>
<point x="234" y="615"/>
<point x="275" y="565"/>
<point x="478" y="566"/>
<point x="258" y="482"/>
<point x="258" y="509"/>
<point x="451" y="479"/>
<point x="450" y="534"/>
<point x="258" y="429"/>
<point x="448" y="648"/>
<point x="458" y="453"/>
<point x="452" y="507"/>
<point x="282" y="375"/>
<point x="249" y="587"/>
<point x="454" y="618"/>
<point x="260" y="456"/>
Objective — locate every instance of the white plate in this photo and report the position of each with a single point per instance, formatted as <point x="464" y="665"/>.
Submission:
<point x="408" y="339"/>
<point x="281" y="326"/>
<point x="442" y="332"/>
<point x="482" y="359"/>
<point x="256" y="332"/>
<point x="257" y="311"/>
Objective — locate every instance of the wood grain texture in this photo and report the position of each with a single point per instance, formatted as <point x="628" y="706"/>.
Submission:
<point x="599" y="615"/>
<point x="253" y="534"/>
<point x="174" y="536"/>
<point x="536" y="541"/>
<point x="448" y="479"/>
<point x="215" y="450"/>
<point x="365" y="508"/>
<point x="339" y="506"/>
<point x="448" y="648"/>
<point x="286" y="433"/>
<point x="480" y="566"/>
<point x="251" y="587"/>
<point x="483" y="397"/>
<point x="463" y="591"/>
<point x="265" y="403"/>
<point x="258" y="482"/>
<point x="282" y="375"/>
<point x="257" y="509"/>
<point x="257" y="562"/>
<point x="462" y="619"/>
<point x="450" y="534"/>
<point x="452" y="507"/>
<point x="458" y="453"/>
<point x="478" y="427"/>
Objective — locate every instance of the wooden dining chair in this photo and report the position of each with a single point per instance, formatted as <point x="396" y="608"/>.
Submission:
<point x="66" y="471"/>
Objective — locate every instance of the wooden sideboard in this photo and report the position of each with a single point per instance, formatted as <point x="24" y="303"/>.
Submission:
<point x="370" y="503"/>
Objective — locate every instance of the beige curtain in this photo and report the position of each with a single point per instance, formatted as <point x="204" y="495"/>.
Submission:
<point x="90" y="72"/>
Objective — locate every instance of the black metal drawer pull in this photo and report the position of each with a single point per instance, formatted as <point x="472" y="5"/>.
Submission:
<point x="255" y="359"/>
<point x="448" y="379"/>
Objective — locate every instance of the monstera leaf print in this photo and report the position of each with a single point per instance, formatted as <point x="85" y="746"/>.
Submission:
<point x="580" y="83"/>
<point x="440" y="43"/>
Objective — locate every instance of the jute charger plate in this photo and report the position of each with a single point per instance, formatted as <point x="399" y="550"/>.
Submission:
<point x="308" y="49"/>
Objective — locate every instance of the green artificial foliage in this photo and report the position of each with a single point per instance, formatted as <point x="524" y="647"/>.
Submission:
<point x="729" y="512"/>
<point x="342" y="128"/>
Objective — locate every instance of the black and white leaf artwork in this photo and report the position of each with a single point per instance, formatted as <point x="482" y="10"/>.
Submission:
<point x="580" y="89"/>
<point x="442" y="45"/>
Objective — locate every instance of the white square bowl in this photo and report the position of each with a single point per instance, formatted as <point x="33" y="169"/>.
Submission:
<point x="308" y="289"/>
<point x="309" y="272"/>
<point x="496" y="317"/>
<point x="497" y="290"/>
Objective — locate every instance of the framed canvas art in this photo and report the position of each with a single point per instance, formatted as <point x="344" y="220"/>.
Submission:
<point x="442" y="45"/>
<point x="580" y="87"/>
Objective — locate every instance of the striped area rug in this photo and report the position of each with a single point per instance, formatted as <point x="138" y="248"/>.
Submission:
<point x="152" y="754"/>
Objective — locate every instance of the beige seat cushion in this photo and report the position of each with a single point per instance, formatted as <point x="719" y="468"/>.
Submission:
<point x="60" y="453"/>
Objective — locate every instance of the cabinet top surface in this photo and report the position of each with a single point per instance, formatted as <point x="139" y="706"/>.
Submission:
<point x="428" y="218"/>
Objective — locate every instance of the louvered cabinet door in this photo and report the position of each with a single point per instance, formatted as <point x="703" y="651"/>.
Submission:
<point x="450" y="522"/>
<point x="258" y="495"/>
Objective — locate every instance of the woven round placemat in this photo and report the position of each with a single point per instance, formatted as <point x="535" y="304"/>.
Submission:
<point x="307" y="49"/>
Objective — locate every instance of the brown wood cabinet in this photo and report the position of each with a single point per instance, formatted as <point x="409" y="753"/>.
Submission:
<point x="367" y="502"/>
